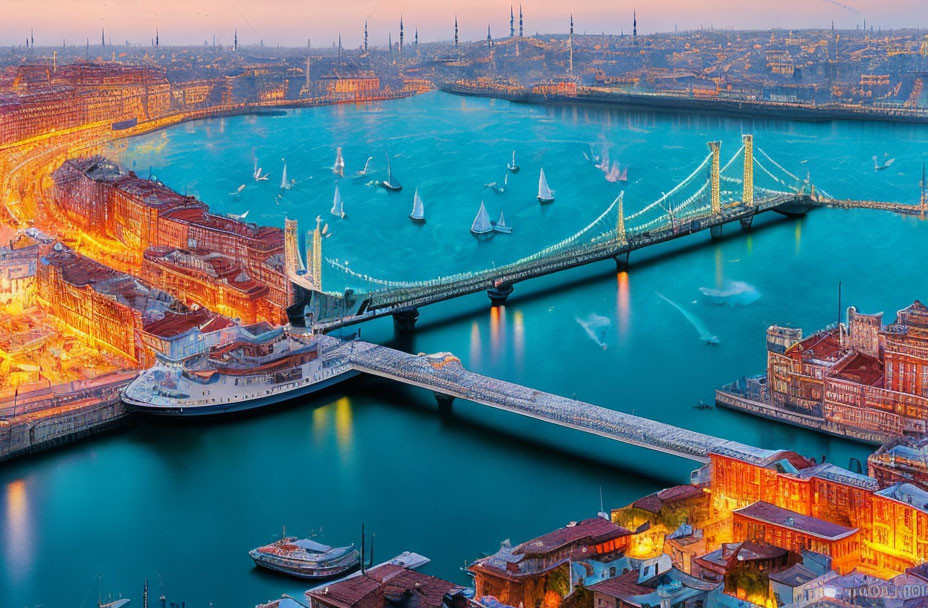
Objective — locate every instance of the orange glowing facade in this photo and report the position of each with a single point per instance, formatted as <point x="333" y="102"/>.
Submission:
<point x="890" y="539"/>
<point x="859" y="375"/>
<point x="245" y="275"/>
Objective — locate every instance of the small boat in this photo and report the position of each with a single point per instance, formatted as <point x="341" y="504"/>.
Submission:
<point x="285" y="184"/>
<point x="339" y="167"/>
<point x="418" y="210"/>
<point x="305" y="558"/>
<point x="237" y="190"/>
<point x="238" y="216"/>
<point x="363" y="172"/>
<point x="482" y="228"/>
<point x="259" y="175"/>
<point x="512" y="166"/>
<point x="877" y="166"/>
<point x="545" y="194"/>
<point x="702" y="405"/>
<point x="497" y="187"/>
<point x="338" y="206"/>
<point x="390" y="183"/>
<point x="501" y="226"/>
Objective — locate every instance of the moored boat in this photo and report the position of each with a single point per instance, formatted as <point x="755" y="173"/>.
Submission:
<point x="501" y="225"/>
<point x="545" y="194"/>
<point x="512" y="166"/>
<point x="305" y="558"/>
<point x="258" y="366"/>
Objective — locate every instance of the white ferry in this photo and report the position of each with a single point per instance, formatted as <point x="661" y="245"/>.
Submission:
<point x="254" y="370"/>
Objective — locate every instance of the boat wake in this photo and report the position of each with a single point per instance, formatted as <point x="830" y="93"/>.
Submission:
<point x="704" y="334"/>
<point x="732" y="293"/>
<point x="596" y="327"/>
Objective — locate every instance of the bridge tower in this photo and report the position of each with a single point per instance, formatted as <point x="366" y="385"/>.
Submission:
<point x="714" y="147"/>
<point x="292" y="257"/>
<point x="314" y="255"/>
<point x="747" y="198"/>
<point x="620" y="222"/>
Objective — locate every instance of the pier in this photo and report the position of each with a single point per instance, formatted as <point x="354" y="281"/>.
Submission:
<point x="713" y="196"/>
<point x="444" y="375"/>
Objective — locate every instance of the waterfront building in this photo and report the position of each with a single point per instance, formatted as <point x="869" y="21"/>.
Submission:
<point x="18" y="258"/>
<point x="860" y="379"/>
<point x="200" y="257"/>
<point x="388" y="586"/>
<point x="728" y="563"/>
<point x="543" y="571"/>
<point x="902" y="460"/>
<point x="116" y="311"/>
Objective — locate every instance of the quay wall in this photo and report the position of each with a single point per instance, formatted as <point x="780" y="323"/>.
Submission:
<point x="741" y="403"/>
<point x="714" y="105"/>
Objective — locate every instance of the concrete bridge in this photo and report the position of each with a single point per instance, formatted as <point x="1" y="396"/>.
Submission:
<point x="444" y="375"/>
<point x="705" y="201"/>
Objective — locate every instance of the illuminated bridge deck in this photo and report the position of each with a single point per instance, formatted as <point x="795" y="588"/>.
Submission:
<point x="444" y="375"/>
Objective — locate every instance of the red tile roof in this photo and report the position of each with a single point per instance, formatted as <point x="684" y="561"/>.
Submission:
<point x="622" y="586"/>
<point x="805" y="524"/>
<point x="861" y="369"/>
<point x="388" y="582"/>
<point x="593" y="530"/>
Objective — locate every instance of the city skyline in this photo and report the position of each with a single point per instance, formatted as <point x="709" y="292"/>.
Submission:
<point x="49" y="23"/>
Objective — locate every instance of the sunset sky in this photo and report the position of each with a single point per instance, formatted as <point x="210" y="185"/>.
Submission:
<point x="291" y="22"/>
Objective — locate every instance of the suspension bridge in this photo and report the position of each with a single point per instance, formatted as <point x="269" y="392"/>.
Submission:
<point x="713" y="194"/>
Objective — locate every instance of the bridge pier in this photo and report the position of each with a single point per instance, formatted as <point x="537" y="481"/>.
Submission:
<point x="444" y="403"/>
<point x="747" y="221"/>
<point x="405" y="320"/>
<point x="499" y="294"/>
<point x="715" y="232"/>
<point x="621" y="262"/>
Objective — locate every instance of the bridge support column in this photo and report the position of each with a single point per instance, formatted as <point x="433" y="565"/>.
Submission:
<point x="499" y="294"/>
<point x="444" y="403"/>
<point x="621" y="262"/>
<point x="716" y="232"/>
<point x="746" y="222"/>
<point x="405" y="320"/>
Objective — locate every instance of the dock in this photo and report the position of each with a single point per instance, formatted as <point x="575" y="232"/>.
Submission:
<point x="444" y="375"/>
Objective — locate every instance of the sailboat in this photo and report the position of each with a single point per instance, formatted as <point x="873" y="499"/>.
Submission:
<point x="238" y="216"/>
<point x="284" y="183"/>
<point x="512" y="166"/>
<point x="617" y="175"/>
<point x="363" y="172"/>
<point x="886" y="163"/>
<point x="339" y="167"/>
<point x="418" y="210"/>
<point x="482" y="228"/>
<point x="260" y="176"/>
<point x="501" y="226"/>
<point x="338" y="206"/>
<point x="499" y="188"/>
<point x="545" y="194"/>
<point x="237" y="190"/>
<point x="390" y="183"/>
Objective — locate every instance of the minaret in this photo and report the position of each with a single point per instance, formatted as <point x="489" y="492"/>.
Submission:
<point x="415" y="40"/>
<point x="235" y="41"/>
<point x="570" y="47"/>
<point x="31" y="38"/>
<point x="308" y="75"/>
<point x="635" y="28"/>
<point x="102" y="36"/>
<point x="401" y="34"/>
<point x="390" y="42"/>
<point x="339" y="46"/>
<point x="489" y="39"/>
<point x="520" y="21"/>
<point x="455" y="30"/>
<point x="157" y="41"/>
<point x="365" y="36"/>
<point x="512" y="23"/>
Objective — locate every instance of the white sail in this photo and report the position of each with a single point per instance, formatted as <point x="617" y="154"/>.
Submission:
<point x="418" y="209"/>
<point x="502" y="221"/>
<point x="482" y="224"/>
<point x="339" y="166"/>
<point x="366" y="164"/>
<point x="544" y="192"/>
<point x="284" y="184"/>
<point x="501" y="226"/>
<point x="338" y="207"/>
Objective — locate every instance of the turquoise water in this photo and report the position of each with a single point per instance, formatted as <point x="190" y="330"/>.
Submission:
<point x="184" y="502"/>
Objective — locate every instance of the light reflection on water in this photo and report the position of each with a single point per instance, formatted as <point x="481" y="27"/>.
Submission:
<point x="18" y="546"/>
